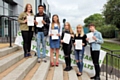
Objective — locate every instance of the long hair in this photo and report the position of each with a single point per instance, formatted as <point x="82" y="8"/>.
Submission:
<point x="53" y="22"/>
<point x="70" y="28"/>
<point x="27" y="7"/>
<point x="81" y="32"/>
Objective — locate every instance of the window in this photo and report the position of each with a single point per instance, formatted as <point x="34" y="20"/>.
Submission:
<point x="1" y="10"/>
<point x="44" y="7"/>
<point x="1" y="3"/>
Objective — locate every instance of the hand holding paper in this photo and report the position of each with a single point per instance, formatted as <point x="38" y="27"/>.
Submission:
<point x="39" y="20"/>
<point x="66" y="38"/>
<point x="55" y="32"/>
<point x="30" y="20"/>
<point x="78" y="45"/>
<point x="90" y="37"/>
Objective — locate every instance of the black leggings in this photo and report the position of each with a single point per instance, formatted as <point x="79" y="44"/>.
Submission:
<point x="67" y="52"/>
<point x="95" y="58"/>
<point x="27" y="38"/>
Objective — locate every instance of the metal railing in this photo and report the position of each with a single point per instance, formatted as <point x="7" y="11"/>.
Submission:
<point x="11" y="22"/>
<point x="111" y="65"/>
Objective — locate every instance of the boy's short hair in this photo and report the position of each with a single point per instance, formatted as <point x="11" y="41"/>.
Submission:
<point x="40" y="6"/>
<point x="91" y="25"/>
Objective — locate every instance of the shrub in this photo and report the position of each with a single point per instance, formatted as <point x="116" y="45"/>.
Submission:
<point x="108" y="31"/>
<point x="119" y="36"/>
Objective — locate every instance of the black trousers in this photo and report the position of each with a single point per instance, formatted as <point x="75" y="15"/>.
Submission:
<point x="67" y="52"/>
<point x="95" y="58"/>
<point x="27" y="38"/>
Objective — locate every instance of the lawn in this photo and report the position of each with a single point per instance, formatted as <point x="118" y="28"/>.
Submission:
<point x="114" y="60"/>
<point x="111" y="46"/>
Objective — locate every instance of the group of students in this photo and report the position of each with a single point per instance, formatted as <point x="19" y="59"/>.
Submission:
<point x="41" y="34"/>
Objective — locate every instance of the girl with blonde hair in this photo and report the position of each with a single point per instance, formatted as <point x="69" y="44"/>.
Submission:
<point x="67" y="48"/>
<point x="79" y="54"/>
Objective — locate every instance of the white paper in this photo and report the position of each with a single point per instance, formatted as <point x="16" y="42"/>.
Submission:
<point x="39" y="20"/>
<point x="66" y="38"/>
<point x="78" y="45"/>
<point x="55" y="25"/>
<point x="90" y="36"/>
<point x="30" y="20"/>
<point x="55" y="32"/>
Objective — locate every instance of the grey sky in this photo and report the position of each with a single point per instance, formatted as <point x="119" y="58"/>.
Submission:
<point x="75" y="11"/>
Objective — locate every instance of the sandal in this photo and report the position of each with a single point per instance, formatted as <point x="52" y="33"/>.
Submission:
<point x="52" y="64"/>
<point x="79" y="74"/>
<point x="57" y="64"/>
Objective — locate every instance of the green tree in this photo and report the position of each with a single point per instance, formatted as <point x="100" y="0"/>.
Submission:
<point x="112" y="12"/>
<point x="96" y="19"/>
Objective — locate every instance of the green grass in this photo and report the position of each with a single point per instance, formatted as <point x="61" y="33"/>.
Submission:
<point x="112" y="46"/>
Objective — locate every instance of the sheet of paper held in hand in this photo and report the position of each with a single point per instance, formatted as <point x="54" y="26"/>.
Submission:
<point x="30" y="20"/>
<point x="90" y="36"/>
<point x="39" y="20"/>
<point x="55" y="32"/>
<point x="66" y="38"/>
<point x="78" y="45"/>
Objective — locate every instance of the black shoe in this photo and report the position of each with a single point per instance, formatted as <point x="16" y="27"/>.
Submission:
<point x="93" y="77"/>
<point x="29" y="54"/>
<point x="25" y="55"/>
<point x="97" y="78"/>
<point x="35" y="54"/>
<point x="65" y="68"/>
<point x="79" y="74"/>
<point x="70" y="68"/>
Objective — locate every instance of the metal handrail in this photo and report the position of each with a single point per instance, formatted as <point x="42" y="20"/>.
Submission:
<point x="113" y="56"/>
<point x="9" y="25"/>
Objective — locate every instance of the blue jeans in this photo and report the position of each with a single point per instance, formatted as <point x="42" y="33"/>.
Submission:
<point x="40" y="37"/>
<point x="79" y="54"/>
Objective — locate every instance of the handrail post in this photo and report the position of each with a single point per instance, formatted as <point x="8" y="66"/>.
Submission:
<point x="9" y="25"/>
<point x="106" y="66"/>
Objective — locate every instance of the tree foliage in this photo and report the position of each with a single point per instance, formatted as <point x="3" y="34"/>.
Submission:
<point x="112" y="12"/>
<point x="96" y="19"/>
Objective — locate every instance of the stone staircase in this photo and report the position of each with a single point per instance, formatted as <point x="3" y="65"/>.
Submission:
<point x="13" y="66"/>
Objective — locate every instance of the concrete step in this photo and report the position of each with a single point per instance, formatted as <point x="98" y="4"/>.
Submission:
<point x="85" y="76"/>
<point x="72" y="75"/>
<point x="22" y="70"/>
<point x="58" y="73"/>
<point x="42" y="71"/>
<point x="7" y="71"/>
<point x="8" y="50"/>
<point x="11" y="60"/>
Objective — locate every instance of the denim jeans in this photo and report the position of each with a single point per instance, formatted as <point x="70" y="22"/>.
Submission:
<point x="79" y="54"/>
<point x="40" y="40"/>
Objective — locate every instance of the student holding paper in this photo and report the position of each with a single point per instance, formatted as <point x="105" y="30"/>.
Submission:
<point x="66" y="40"/>
<point x="26" y="29"/>
<point x="80" y="41"/>
<point x="42" y="22"/>
<point x="54" y="33"/>
<point x="95" y="50"/>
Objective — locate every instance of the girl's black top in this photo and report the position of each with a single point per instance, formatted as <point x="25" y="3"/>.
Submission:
<point x="70" y="43"/>
<point x="83" y="38"/>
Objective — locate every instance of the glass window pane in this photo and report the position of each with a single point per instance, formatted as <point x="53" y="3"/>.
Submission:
<point x="6" y="12"/>
<point x="6" y="5"/>
<point x="1" y="3"/>
<point x="1" y="11"/>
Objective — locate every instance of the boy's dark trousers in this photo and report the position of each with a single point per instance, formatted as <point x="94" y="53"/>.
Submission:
<point x="95" y="58"/>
